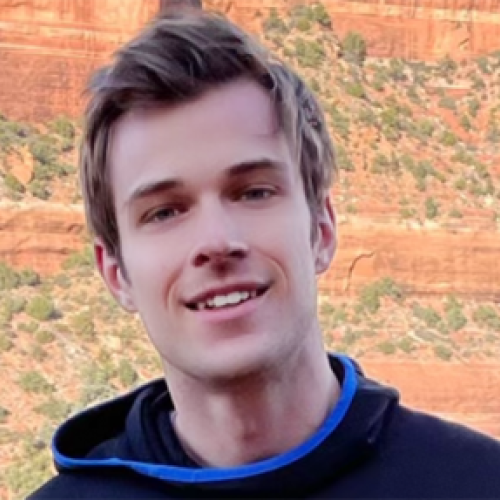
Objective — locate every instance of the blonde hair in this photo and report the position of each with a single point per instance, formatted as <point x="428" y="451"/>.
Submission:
<point x="175" y="59"/>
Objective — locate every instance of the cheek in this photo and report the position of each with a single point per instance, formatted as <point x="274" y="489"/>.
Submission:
<point x="152" y="268"/>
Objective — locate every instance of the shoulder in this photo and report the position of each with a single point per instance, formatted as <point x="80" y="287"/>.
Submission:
<point x="430" y="430"/>
<point x="84" y="486"/>
<point x="425" y="442"/>
<point x="60" y="486"/>
<point x="110" y="483"/>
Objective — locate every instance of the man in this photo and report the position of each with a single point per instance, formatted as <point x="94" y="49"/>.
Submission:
<point x="206" y="166"/>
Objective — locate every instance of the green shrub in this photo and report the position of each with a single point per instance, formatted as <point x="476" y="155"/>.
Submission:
<point x="26" y="475"/>
<point x="340" y="122"/>
<point x="465" y="123"/>
<point x="354" y="48"/>
<point x="78" y="260"/>
<point x="13" y="184"/>
<point x="397" y="70"/>
<point x="38" y="353"/>
<point x="455" y="213"/>
<point x="477" y="82"/>
<point x="44" y="337"/>
<point x="460" y="184"/>
<point x="39" y="190"/>
<point x="64" y="127"/>
<point x="406" y="345"/>
<point x="303" y="24"/>
<point x="483" y="65"/>
<point x="41" y="308"/>
<point x="343" y="159"/>
<point x="320" y="15"/>
<point x="30" y="327"/>
<point x="34" y="382"/>
<point x="448" y="138"/>
<point x="4" y="414"/>
<point x="309" y="53"/>
<point x="427" y="314"/>
<point x="126" y="373"/>
<point x="371" y="294"/>
<point x="473" y="106"/>
<point x="54" y="409"/>
<point x="43" y="150"/>
<point x="380" y="164"/>
<point x="96" y="383"/>
<point x="5" y="315"/>
<point x="62" y="281"/>
<point x="5" y="343"/>
<point x="28" y="277"/>
<point x="9" y="278"/>
<point x="333" y="316"/>
<point x="487" y="317"/>
<point x="431" y="208"/>
<point x="83" y="325"/>
<point x="274" y="23"/>
<point x="455" y="317"/>
<point x="426" y="127"/>
<point x="386" y="348"/>
<point x="446" y="67"/>
<point x="355" y="89"/>
<point x="447" y="102"/>
<point x="443" y="352"/>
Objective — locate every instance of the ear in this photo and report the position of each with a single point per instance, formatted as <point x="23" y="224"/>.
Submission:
<point x="112" y="273"/>
<point x="325" y="244"/>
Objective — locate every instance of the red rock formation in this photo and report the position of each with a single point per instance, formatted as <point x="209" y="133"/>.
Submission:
<point x="40" y="236"/>
<point x="48" y="49"/>
<point x="429" y="261"/>
<point x="414" y="29"/>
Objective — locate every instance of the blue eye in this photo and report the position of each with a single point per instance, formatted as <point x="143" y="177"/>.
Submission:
<point x="257" y="194"/>
<point x="162" y="214"/>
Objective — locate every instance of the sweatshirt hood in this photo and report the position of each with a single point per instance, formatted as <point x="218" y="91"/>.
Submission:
<point x="118" y="434"/>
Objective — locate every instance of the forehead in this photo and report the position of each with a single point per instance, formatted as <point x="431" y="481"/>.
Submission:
<point x="220" y="128"/>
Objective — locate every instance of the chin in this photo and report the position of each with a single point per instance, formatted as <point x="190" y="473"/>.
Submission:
<point x="231" y="364"/>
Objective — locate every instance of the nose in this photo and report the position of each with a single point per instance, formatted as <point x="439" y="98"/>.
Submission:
<point x="219" y="241"/>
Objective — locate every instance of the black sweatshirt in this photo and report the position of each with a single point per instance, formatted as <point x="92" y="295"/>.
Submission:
<point x="370" y="447"/>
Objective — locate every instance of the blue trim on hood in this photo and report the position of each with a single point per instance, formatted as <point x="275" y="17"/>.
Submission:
<point x="204" y="475"/>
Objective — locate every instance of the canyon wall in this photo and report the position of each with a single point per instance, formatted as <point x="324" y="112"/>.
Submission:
<point x="40" y="236"/>
<point x="48" y="48"/>
<point x="413" y="29"/>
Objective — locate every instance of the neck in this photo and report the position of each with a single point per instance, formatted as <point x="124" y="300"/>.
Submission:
<point x="255" y="417"/>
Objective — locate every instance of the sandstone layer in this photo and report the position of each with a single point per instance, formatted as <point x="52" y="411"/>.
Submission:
<point x="48" y="49"/>
<point x="40" y="237"/>
<point x="426" y="260"/>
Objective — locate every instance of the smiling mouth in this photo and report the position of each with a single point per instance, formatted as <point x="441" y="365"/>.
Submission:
<point x="226" y="301"/>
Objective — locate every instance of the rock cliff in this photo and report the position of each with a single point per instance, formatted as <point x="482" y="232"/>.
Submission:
<point x="40" y="237"/>
<point x="47" y="49"/>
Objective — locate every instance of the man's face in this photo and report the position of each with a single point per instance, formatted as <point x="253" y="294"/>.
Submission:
<point x="215" y="234"/>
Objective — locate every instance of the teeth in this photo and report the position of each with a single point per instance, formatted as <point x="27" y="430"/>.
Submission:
<point x="224" y="300"/>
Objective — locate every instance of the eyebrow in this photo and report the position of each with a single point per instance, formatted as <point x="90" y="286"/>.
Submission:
<point x="240" y="169"/>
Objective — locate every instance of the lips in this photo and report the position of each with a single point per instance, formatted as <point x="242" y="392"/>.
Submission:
<point x="231" y="295"/>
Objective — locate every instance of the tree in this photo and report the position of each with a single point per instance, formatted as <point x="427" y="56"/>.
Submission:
<point x="354" y="48"/>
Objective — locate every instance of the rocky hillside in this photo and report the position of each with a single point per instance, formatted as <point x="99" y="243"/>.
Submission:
<point x="48" y="48"/>
<point x="413" y="292"/>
